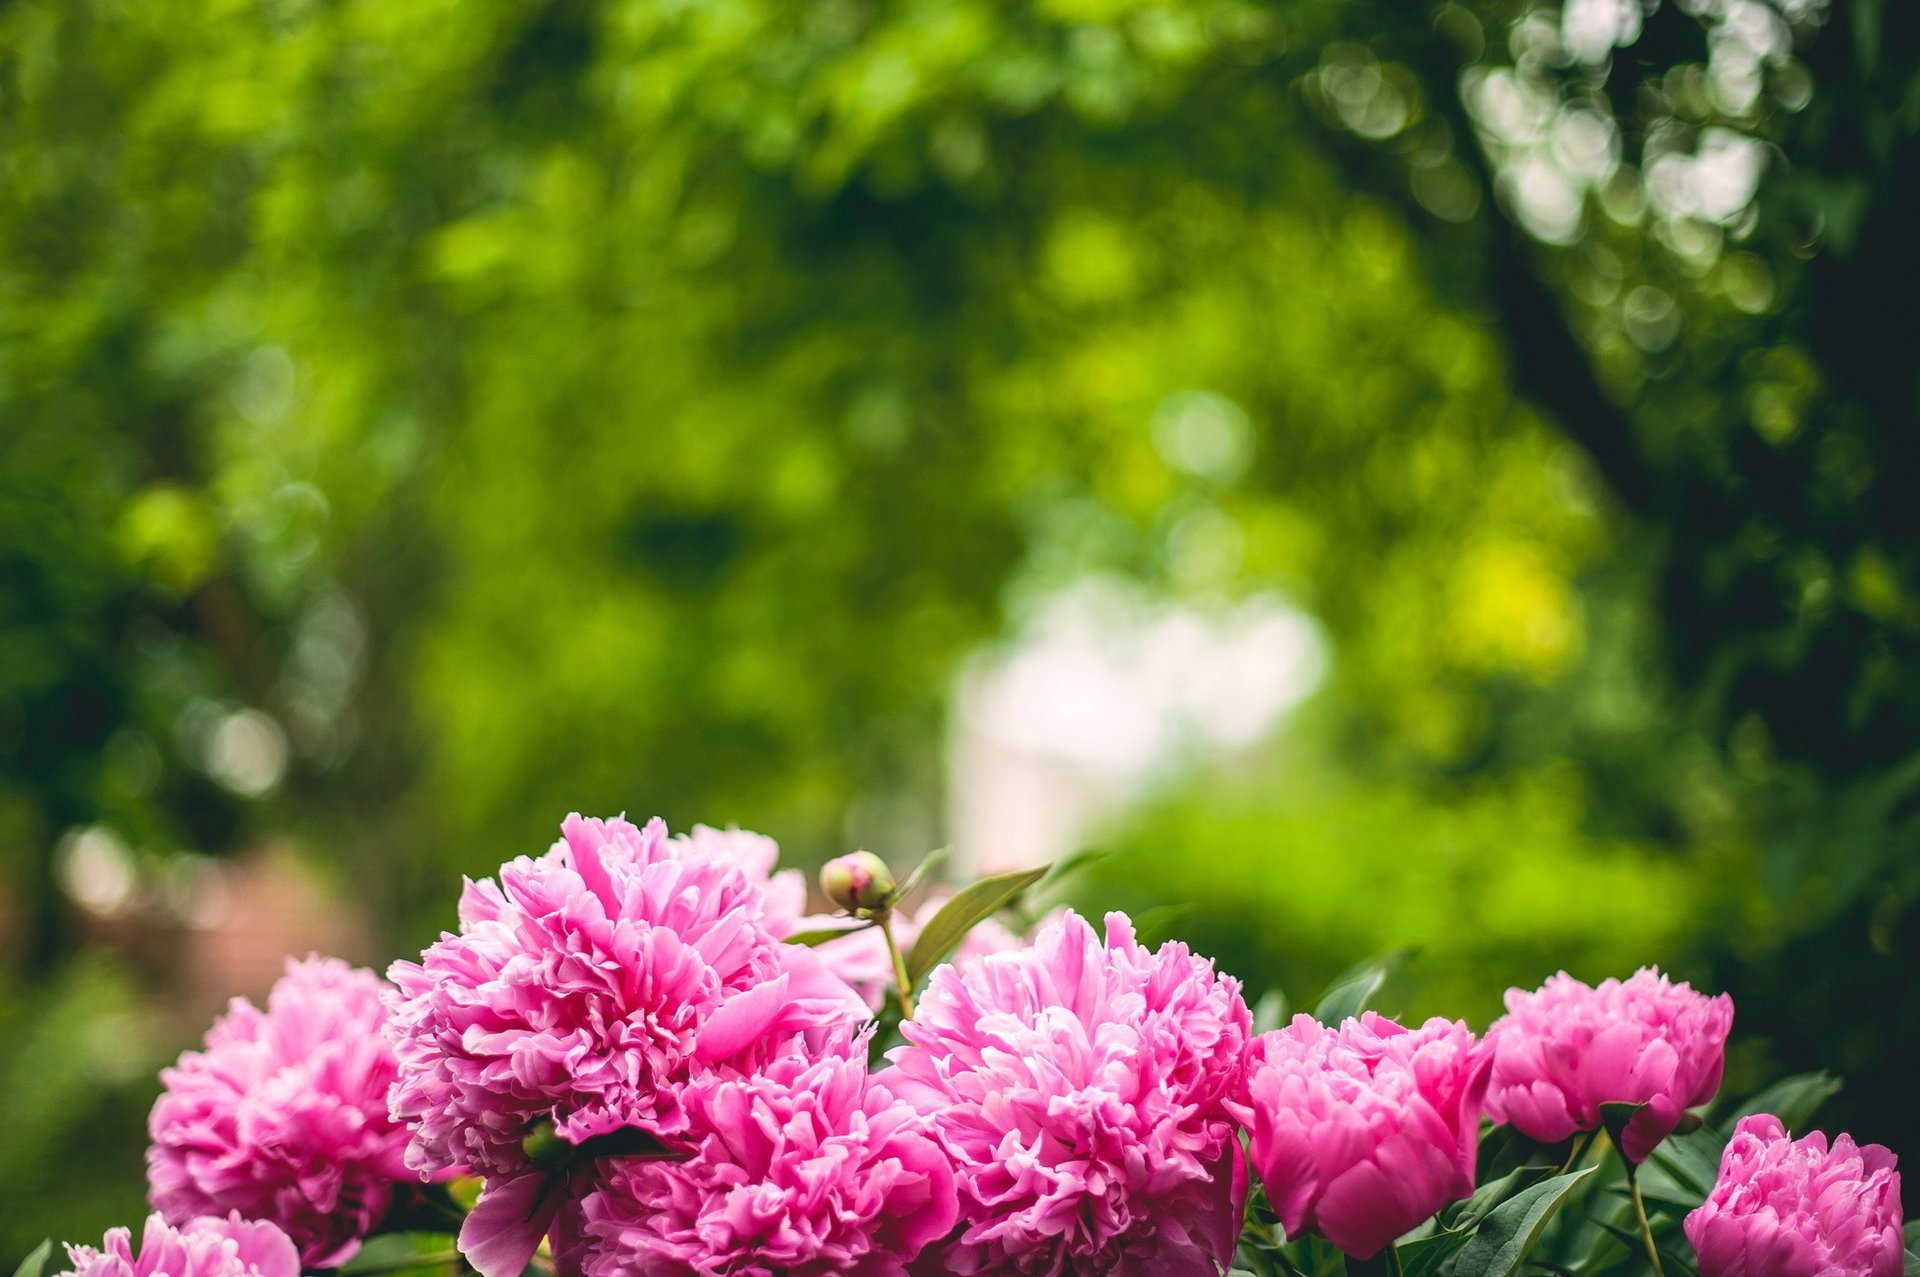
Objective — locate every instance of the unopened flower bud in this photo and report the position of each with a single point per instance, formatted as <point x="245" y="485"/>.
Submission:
<point x="859" y="882"/>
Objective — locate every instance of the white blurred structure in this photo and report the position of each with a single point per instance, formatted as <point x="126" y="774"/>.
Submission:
<point x="1105" y="695"/>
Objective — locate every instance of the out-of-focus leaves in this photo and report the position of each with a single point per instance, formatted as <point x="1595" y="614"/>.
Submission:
<point x="1795" y="1101"/>
<point x="1354" y="991"/>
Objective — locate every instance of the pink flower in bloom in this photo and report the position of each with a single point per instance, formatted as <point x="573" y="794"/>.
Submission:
<point x="206" y="1247"/>
<point x="806" y="1168"/>
<point x="586" y="988"/>
<point x="1560" y="1053"/>
<point x="1363" y="1131"/>
<point x="1080" y="1089"/>
<point x="284" y="1115"/>
<point x="861" y="959"/>
<point x="783" y="891"/>
<point x="1795" y="1208"/>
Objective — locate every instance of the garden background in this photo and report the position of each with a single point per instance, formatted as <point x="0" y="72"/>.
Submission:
<point x="1390" y="475"/>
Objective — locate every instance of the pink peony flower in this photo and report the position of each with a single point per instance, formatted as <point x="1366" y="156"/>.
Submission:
<point x="586" y="988"/>
<point x="807" y="1168"/>
<point x="783" y="891"/>
<point x="1080" y="1090"/>
<point x="284" y="1115"/>
<point x="1363" y="1131"/>
<point x="1560" y="1053"/>
<point x="861" y="959"/>
<point x="1793" y="1208"/>
<point x="205" y="1247"/>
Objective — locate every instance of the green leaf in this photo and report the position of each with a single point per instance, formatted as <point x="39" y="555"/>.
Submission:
<point x="35" y="1261"/>
<point x="1688" y="1165"/>
<point x="973" y="904"/>
<point x="1074" y="863"/>
<point x="1793" y="1100"/>
<point x="1349" y="995"/>
<point x="1615" y="1118"/>
<point x="1500" y="1245"/>
<point x="1270" y="1012"/>
<point x="820" y="935"/>
<point x="928" y="863"/>
<point x="1423" y="1256"/>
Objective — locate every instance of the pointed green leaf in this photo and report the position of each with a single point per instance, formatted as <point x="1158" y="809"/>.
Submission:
<point x="1615" y="1118"/>
<point x="928" y="863"/>
<point x="1074" y="863"/>
<point x="1424" y="1256"/>
<point x="1793" y="1100"/>
<point x="973" y="904"/>
<point x="35" y="1261"/>
<point x="1500" y="1245"/>
<point x="1270" y="1012"/>
<point x="1349" y="995"/>
<point x="820" y="935"/>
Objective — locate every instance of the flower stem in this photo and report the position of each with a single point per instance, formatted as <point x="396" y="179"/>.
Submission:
<point x="899" y="967"/>
<point x="1646" y="1228"/>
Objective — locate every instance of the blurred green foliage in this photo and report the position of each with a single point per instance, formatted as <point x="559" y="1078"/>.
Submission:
<point x="517" y="406"/>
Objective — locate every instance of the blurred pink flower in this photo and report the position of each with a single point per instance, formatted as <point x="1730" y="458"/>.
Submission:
<point x="1363" y="1131"/>
<point x="806" y="1168"/>
<point x="861" y="959"/>
<point x="283" y="1116"/>
<point x="1793" y="1208"/>
<point x="586" y="988"/>
<point x="1080" y="1089"/>
<point x="1560" y="1053"/>
<point x="205" y="1247"/>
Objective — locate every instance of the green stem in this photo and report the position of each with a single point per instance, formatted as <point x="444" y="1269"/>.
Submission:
<point x="1646" y="1228"/>
<point x="899" y="967"/>
<point x="437" y="1259"/>
<point x="1393" y="1261"/>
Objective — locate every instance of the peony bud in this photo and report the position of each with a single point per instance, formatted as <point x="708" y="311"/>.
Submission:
<point x="859" y="882"/>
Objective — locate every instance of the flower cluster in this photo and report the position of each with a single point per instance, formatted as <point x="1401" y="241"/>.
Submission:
<point x="584" y="990"/>
<point x="630" y="1045"/>
<point x="284" y="1115"/>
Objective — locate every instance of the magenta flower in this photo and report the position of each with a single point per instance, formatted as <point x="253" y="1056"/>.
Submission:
<point x="805" y="1169"/>
<point x="284" y="1115"/>
<point x="586" y="989"/>
<point x="1080" y="1090"/>
<point x="1361" y="1132"/>
<point x="205" y="1247"/>
<point x="1795" y="1208"/>
<point x="1560" y="1053"/>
